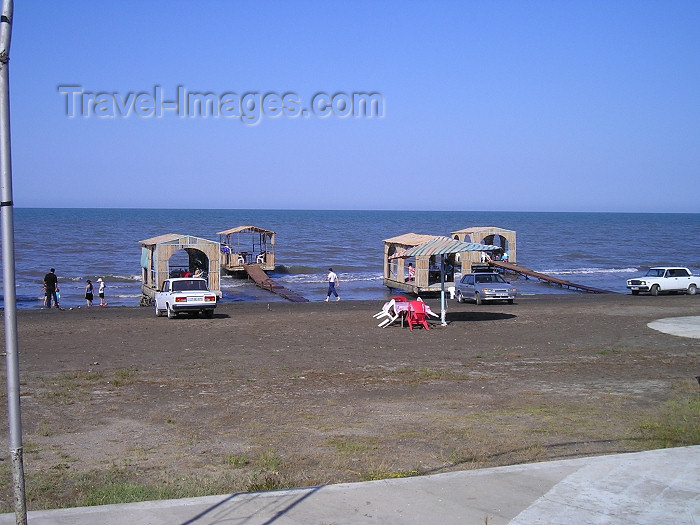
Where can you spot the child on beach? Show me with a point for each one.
(101, 292)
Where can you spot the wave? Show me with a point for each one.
(293, 270)
(107, 278)
(588, 271)
(317, 278)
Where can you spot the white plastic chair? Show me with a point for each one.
(388, 311)
(385, 309)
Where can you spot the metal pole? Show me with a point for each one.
(8, 269)
(442, 289)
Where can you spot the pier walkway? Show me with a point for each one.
(544, 277)
(262, 280)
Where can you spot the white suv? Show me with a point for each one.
(665, 279)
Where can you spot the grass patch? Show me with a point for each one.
(43, 428)
(676, 425)
(236, 461)
(424, 374)
(70, 387)
(376, 474)
(58, 487)
(269, 460)
(266, 481)
(124, 376)
(347, 445)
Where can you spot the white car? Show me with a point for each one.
(185, 294)
(665, 279)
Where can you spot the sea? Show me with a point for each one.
(601, 250)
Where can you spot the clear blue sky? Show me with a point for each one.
(489, 105)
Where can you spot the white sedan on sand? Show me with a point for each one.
(665, 279)
(186, 294)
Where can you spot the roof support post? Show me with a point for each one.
(442, 290)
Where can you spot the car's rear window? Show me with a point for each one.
(183, 286)
(489, 278)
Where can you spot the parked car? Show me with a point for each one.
(186, 294)
(665, 279)
(485, 286)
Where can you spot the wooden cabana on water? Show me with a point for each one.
(490, 235)
(247, 245)
(433, 270)
(155, 262)
(396, 268)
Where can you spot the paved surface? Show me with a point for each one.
(681, 326)
(655, 488)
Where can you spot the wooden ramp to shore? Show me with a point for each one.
(263, 281)
(544, 277)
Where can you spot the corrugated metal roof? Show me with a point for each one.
(445, 245)
(239, 229)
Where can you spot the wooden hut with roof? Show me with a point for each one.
(486, 235)
(396, 269)
(156, 252)
(431, 266)
(247, 245)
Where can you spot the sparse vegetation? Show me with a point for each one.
(676, 425)
(230, 414)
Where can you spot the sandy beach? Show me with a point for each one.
(284, 395)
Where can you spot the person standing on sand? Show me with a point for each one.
(101, 292)
(51, 283)
(89, 293)
(332, 283)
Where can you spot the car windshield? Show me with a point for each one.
(655, 272)
(489, 278)
(183, 286)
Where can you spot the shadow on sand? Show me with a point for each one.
(477, 316)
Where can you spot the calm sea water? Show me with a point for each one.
(597, 249)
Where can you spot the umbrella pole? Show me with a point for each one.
(442, 289)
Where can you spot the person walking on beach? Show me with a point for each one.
(101, 292)
(51, 284)
(89, 293)
(332, 283)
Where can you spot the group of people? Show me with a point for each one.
(53, 295)
(198, 273)
(495, 256)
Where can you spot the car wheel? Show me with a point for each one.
(692, 289)
(171, 313)
(477, 298)
(635, 292)
(510, 301)
(208, 314)
(655, 290)
(460, 299)
(159, 313)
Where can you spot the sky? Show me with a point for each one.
(478, 105)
